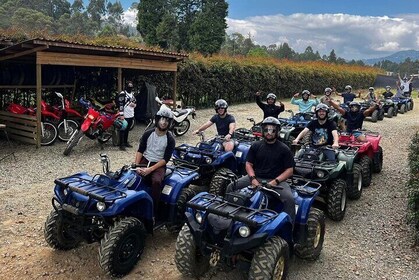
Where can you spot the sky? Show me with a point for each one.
(355, 29)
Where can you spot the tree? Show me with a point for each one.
(332, 57)
(186, 13)
(167, 32)
(258, 52)
(150, 14)
(96, 9)
(28, 19)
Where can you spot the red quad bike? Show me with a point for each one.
(49, 130)
(96, 125)
(370, 153)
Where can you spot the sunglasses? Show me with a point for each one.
(269, 130)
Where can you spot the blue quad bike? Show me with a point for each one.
(216, 167)
(339, 179)
(404, 104)
(377, 114)
(116, 210)
(249, 230)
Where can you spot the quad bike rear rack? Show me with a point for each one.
(213, 204)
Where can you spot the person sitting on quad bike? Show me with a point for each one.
(405, 85)
(355, 117)
(387, 94)
(348, 95)
(155, 150)
(304, 104)
(323, 132)
(225, 123)
(269, 108)
(327, 96)
(370, 97)
(259, 165)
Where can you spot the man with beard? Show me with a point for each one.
(327, 96)
(225, 123)
(126, 104)
(355, 117)
(272, 161)
(269, 109)
(155, 150)
(305, 104)
(323, 132)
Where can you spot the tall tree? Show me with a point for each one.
(97, 9)
(150, 14)
(186, 12)
(167, 32)
(332, 56)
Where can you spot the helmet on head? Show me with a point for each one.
(323, 107)
(120, 124)
(305, 94)
(271, 96)
(328, 91)
(371, 88)
(348, 87)
(355, 104)
(405, 78)
(221, 104)
(271, 121)
(164, 113)
(388, 87)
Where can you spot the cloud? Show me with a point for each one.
(130, 17)
(351, 36)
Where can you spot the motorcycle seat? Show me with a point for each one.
(180, 112)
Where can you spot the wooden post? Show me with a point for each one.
(119, 80)
(174, 89)
(38, 103)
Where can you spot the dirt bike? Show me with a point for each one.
(49, 131)
(96, 125)
(66, 126)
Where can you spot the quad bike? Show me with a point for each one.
(404, 104)
(377, 114)
(116, 210)
(340, 179)
(96, 125)
(249, 230)
(369, 155)
(390, 107)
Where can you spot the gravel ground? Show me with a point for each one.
(372, 242)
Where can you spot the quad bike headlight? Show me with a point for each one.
(208, 160)
(244, 231)
(182, 155)
(198, 217)
(320, 173)
(101, 206)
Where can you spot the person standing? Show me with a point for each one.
(126, 105)
(405, 85)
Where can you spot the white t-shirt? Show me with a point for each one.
(404, 86)
(128, 109)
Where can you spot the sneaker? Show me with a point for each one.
(128, 145)
(122, 148)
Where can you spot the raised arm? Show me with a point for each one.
(337, 107)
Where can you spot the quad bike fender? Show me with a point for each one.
(302, 208)
(173, 185)
(339, 170)
(137, 204)
(280, 226)
(227, 159)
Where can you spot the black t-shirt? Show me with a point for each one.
(388, 95)
(270, 160)
(269, 110)
(321, 133)
(222, 124)
(348, 97)
(354, 120)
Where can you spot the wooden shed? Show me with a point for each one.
(41, 52)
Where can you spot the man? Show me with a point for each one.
(370, 97)
(387, 94)
(348, 95)
(327, 96)
(323, 132)
(126, 104)
(272, 161)
(155, 150)
(304, 104)
(225, 123)
(269, 109)
(405, 85)
(355, 117)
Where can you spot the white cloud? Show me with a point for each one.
(351, 36)
(130, 17)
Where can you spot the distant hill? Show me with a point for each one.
(396, 57)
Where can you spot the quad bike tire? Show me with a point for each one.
(390, 112)
(402, 109)
(381, 114)
(408, 105)
(220, 181)
(336, 200)
(374, 116)
(366, 166)
(355, 191)
(73, 142)
(396, 111)
(188, 258)
(55, 232)
(412, 105)
(72, 126)
(312, 248)
(271, 260)
(122, 246)
(377, 163)
(181, 128)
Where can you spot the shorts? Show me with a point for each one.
(357, 133)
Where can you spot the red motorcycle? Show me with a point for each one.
(96, 125)
(65, 115)
(49, 131)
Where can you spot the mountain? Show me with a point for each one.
(395, 57)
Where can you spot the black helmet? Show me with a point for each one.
(221, 103)
(271, 121)
(164, 113)
(271, 96)
(355, 103)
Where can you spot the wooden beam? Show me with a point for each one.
(41, 48)
(38, 103)
(119, 80)
(52, 58)
(174, 89)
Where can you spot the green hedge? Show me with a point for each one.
(413, 184)
(201, 81)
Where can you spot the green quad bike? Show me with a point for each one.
(340, 179)
(390, 107)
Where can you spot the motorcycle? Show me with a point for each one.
(181, 123)
(96, 125)
(49, 131)
(66, 127)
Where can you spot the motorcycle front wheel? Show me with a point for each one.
(49, 133)
(74, 140)
(181, 128)
(64, 135)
